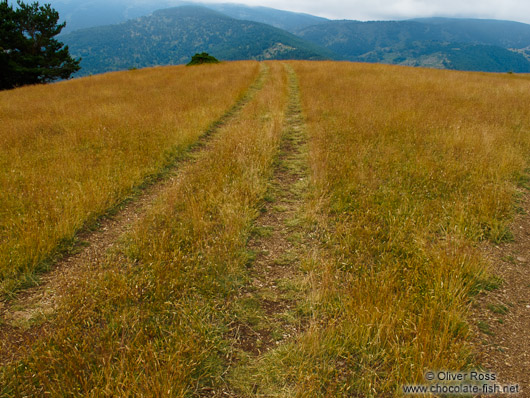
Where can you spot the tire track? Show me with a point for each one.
(271, 308)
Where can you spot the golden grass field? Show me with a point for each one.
(410, 171)
(411, 168)
(71, 151)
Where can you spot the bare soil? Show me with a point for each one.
(280, 243)
(280, 248)
(502, 316)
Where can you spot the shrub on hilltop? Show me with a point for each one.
(203, 58)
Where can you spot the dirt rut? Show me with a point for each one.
(273, 301)
(502, 316)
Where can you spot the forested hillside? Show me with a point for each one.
(92, 13)
(448, 45)
(173, 35)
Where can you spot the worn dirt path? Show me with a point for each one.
(22, 318)
(502, 316)
(271, 304)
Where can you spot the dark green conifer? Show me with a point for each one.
(29, 53)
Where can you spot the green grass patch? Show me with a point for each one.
(498, 309)
(485, 328)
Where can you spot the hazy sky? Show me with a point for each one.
(515, 10)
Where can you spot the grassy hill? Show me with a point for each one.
(173, 35)
(314, 228)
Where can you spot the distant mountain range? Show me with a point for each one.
(173, 35)
(476, 45)
(232, 32)
(90, 13)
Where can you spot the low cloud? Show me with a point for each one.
(515, 10)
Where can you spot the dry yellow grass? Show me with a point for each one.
(151, 320)
(71, 151)
(410, 169)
